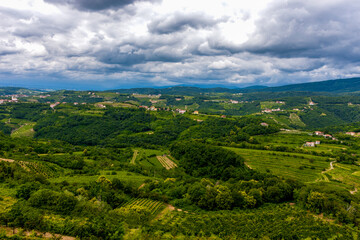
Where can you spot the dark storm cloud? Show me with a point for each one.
(25, 25)
(293, 65)
(7, 52)
(96, 5)
(181, 21)
(41, 27)
(307, 29)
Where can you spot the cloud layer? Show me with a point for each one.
(127, 43)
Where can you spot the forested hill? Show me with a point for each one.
(178, 90)
(17, 90)
(334, 86)
(331, 86)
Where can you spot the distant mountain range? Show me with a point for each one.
(329, 86)
(18, 90)
(334, 86)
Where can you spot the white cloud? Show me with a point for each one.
(222, 64)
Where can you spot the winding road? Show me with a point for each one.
(134, 157)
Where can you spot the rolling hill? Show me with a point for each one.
(329, 86)
(333, 86)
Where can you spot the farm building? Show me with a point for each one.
(351, 133)
(54, 105)
(317, 142)
(267, 111)
(264, 124)
(309, 144)
(327, 136)
(181, 111)
(318, 133)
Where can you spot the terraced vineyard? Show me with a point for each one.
(298, 166)
(151, 205)
(38, 168)
(166, 162)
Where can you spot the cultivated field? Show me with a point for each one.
(147, 157)
(166, 162)
(25, 130)
(151, 205)
(303, 167)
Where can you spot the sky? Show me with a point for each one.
(107, 44)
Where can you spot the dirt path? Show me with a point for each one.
(6, 160)
(10, 232)
(134, 157)
(323, 177)
(21, 163)
(168, 208)
(331, 167)
(353, 191)
(246, 164)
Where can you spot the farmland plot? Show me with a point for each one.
(151, 205)
(48, 171)
(166, 162)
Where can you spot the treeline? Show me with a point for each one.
(92, 130)
(271, 222)
(131, 127)
(201, 160)
(83, 212)
(229, 130)
(163, 132)
(332, 201)
(210, 194)
(28, 111)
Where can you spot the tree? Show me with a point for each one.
(316, 201)
(224, 200)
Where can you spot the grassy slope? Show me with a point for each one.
(290, 165)
(144, 158)
(25, 130)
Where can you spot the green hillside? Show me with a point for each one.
(220, 165)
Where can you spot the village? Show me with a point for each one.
(327, 136)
